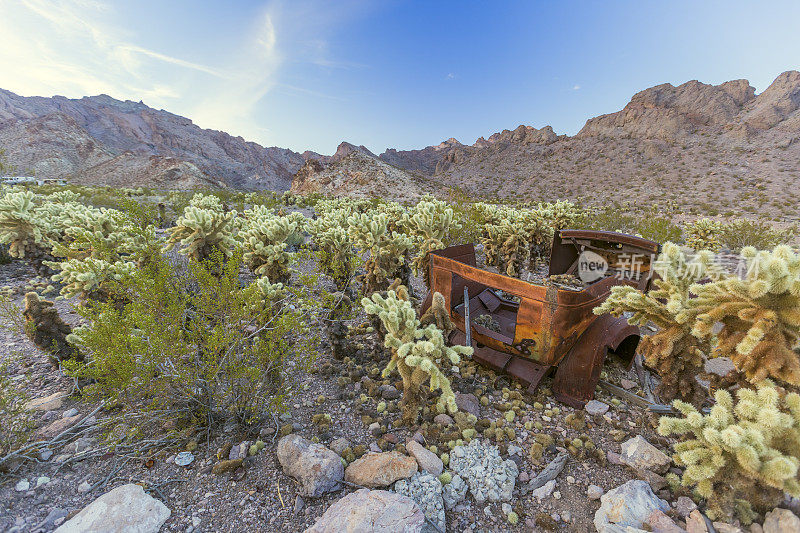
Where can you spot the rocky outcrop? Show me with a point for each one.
(376, 511)
(126, 508)
(779, 102)
(361, 175)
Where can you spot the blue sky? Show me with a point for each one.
(307, 74)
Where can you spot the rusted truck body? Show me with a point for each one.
(543, 328)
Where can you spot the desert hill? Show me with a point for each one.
(101, 140)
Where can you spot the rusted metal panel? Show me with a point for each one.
(548, 326)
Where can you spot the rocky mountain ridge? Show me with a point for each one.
(101, 140)
(721, 147)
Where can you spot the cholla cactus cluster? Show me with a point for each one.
(673, 351)
(759, 313)
(387, 249)
(513, 237)
(429, 222)
(19, 228)
(266, 297)
(741, 453)
(265, 248)
(417, 353)
(91, 277)
(203, 229)
(703, 234)
(334, 247)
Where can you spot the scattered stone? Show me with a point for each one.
(454, 492)
(629, 504)
(661, 523)
(443, 419)
(48, 403)
(53, 519)
(426, 490)
(53, 429)
(318, 469)
(388, 392)
(593, 492)
(126, 508)
(45, 454)
(184, 459)
(722, 527)
(640, 454)
(684, 506)
(376, 511)
(627, 384)
(781, 521)
(468, 403)
(23, 485)
(380, 469)
(596, 407)
(545, 490)
(69, 413)
(41, 481)
(488, 476)
(340, 445)
(84, 487)
(696, 523)
(426, 459)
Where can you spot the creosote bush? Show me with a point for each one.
(199, 348)
(16, 422)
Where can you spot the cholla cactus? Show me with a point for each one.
(335, 251)
(417, 353)
(673, 351)
(92, 278)
(298, 224)
(203, 229)
(703, 234)
(560, 214)
(265, 298)
(264, 237)
(760, 315)
(506, 245)
(48, 332)
(19, 227)
(387, 250)
(740, 454)
(429, 223)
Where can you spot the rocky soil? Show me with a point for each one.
(337, 460)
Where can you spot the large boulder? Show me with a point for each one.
(126, 508)
(318, 469)
(380, 469)
(371, 511)
(425, 489)
(629, 504)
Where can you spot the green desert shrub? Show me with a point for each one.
(703, 234)
(743, 232)
(197, 347)
(16, 422)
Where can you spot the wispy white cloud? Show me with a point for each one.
(77, 47)
(576, 87)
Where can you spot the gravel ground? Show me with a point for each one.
(260, 497)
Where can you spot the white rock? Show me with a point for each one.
(596, 407)
(629, 504)
(375, 511)
(593, 492)
(426, 459)
(84, 487)
(640, 454)
(126, 508)
(22, 485)
(545, 490)
(42, 480)
(318, 469)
